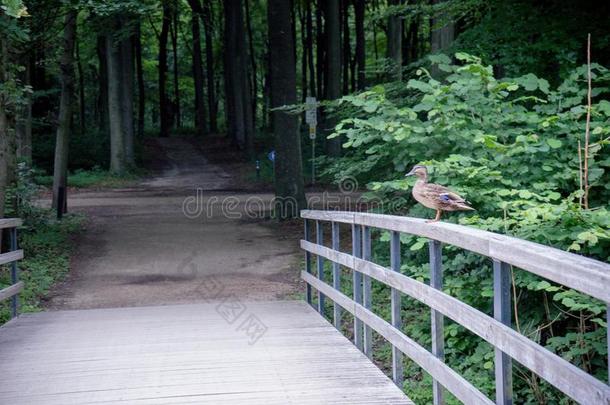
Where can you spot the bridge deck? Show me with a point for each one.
(186, 354)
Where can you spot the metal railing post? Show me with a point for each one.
(320, 263)
(307, 231)
(397, 366)
(438, 334)
(357, 284)
(14, 275)
(366, 290)
(336, 276)
(502, 313)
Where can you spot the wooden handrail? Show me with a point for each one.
(571, 270)
(12, 257)
(574, 271)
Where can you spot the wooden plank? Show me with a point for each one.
(185, 354)
(9, 292)
(367, 293)
(357, 285)
(307, 236)
(320, 265)
(395, 313)
(502, 313)
(455, 383)
(9, 257)
(586, 275)
(336, 275)
(10, 223)
(436, 319)
(566, 377)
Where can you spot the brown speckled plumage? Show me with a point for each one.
(435, 196)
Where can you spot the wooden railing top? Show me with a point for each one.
(10, 223)
(586, 275)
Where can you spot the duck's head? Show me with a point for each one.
(418, 170)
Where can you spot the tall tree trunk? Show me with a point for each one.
(174, 36)
(288, 166)
(163, 101)
(4, 131)
(82, 119)
(140, 80)
(333, 40)
(394, 44)
(60, 168)
(359, 10)
(23, 126)
(209, 61)
(197, 68)
(102, 96)
(117, 138)
(443, 31)
(126, 59)
(320, 51)
(236, 76)
(347, 51)
(303, 28)
(309, 50)
(253, 82)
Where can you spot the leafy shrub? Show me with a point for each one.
(511, 147)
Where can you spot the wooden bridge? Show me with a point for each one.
(230, 352)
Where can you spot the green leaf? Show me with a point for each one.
(554, 143)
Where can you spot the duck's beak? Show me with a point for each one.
(411, 173)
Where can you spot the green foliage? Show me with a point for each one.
(45, 241)
(511, 147)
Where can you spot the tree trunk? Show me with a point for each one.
(126, 59)
(209, 61)
(163, 102)
(197, 68)
(102, 97)
(60, 168)
(441, 36)
(236, 76)
(333, 40)
(115, 115)
(309, 50)
(359, 10)
(320, 51)
(82, 119)
(394, 45)
(23, 126)
(140, 80)
(290, 196)
(253, 83)
(174, 35)
(347, 50)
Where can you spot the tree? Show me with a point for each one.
(333, 40)
(209, 61)
(60, 172)
(442, 30)
(126, 61)
(115, 96)
(164, 112)
(240, 122)
(140, 79)
(288, 165)
(197, 67)
(359, 10)
(394, 45)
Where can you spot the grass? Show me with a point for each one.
(47, 248)
(94, 178)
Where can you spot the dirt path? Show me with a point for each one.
(140, 248)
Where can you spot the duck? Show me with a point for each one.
(435, 196)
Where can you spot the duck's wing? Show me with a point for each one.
(448, 197)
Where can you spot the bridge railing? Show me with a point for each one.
(577, 272)
(11, 257)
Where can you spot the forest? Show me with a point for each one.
(506, 101)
